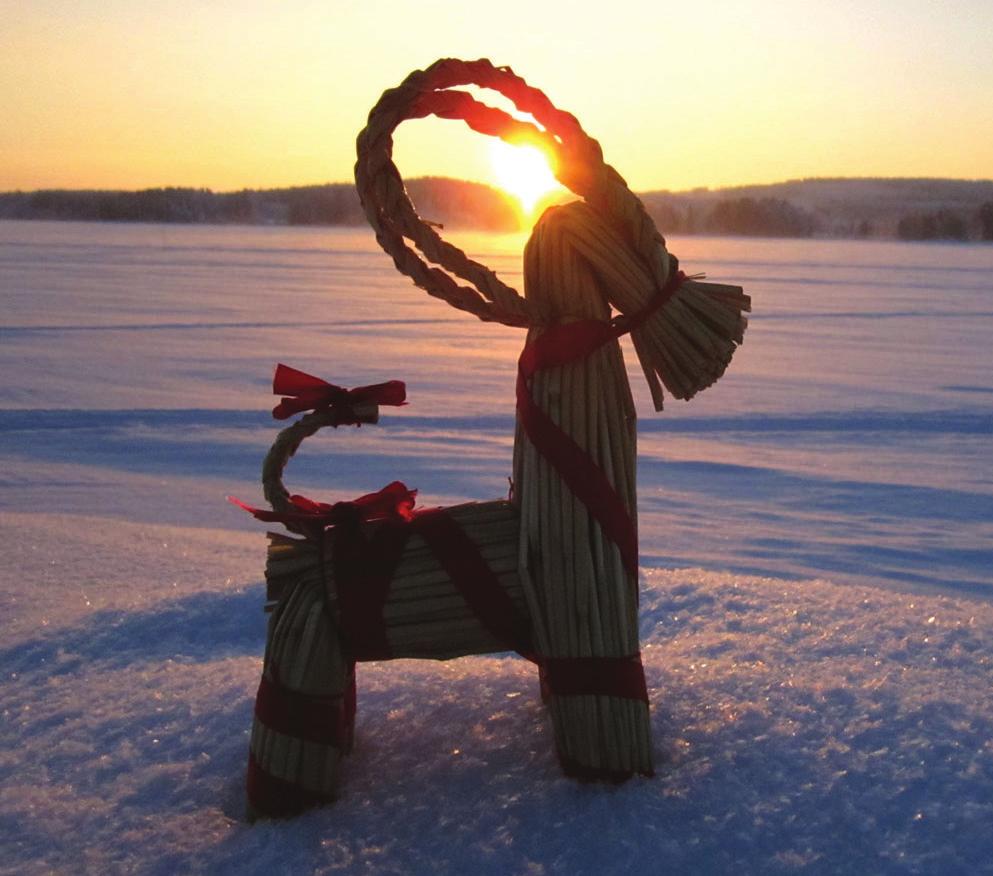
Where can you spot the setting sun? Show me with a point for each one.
(523, 171)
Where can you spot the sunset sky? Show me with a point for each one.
(245, 93)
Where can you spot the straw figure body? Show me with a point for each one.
(552, 574)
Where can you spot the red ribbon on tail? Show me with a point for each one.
(393, 502)
(304, 392)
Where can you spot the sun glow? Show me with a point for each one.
(524, 171)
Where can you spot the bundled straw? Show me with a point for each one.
(305, 706)
(685, 342)
(574, 466)
(555, 574)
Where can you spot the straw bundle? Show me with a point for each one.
(578, 543)
(305, 705)
(304, 710)
(371, 580)
(687, 339)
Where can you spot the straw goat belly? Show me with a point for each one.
(424, 614)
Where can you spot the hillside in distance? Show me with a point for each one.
(913, 209)
(450, 202)
(909, 209)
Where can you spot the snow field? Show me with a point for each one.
(815, 535)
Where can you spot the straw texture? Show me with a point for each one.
(292, 765)
(430, 606)
(424, 613)
(311, 647)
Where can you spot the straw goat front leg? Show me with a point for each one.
(579, 554)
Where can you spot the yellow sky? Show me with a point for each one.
(244, 93)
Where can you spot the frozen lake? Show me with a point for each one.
(849, 440)
(839, 725)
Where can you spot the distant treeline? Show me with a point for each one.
(443, 200)
(760, 217)
(904, 209)
(946, 225)
(777, 217)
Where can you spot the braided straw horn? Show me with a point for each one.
(685, 346)
(578, 163)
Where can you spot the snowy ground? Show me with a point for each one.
(815, 532)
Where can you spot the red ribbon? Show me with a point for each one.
(363, 572)
(593, 676)
(322, 719)
(364, 566)
(304, 392)
(395, 501)
(472, 576)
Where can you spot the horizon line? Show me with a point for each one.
(686, 191)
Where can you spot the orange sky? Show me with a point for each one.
(115, 94)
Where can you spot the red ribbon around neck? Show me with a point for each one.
(304, 392)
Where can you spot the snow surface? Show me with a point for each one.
(815, 533)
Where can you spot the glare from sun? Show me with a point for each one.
(523, 171)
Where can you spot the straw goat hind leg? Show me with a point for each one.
(305, 707)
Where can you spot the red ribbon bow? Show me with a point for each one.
(395, 501)
(304, 392)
